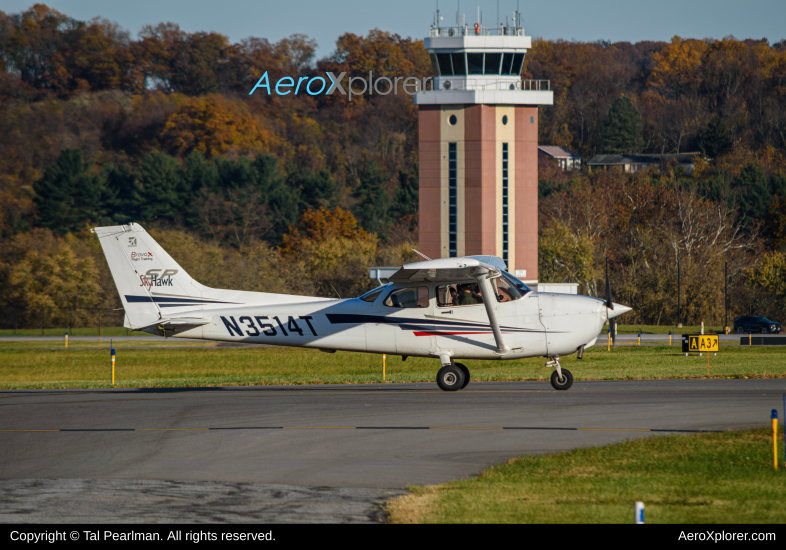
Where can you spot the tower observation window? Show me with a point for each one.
(434, 64)
(505, 203)
(475, 63)
(492, 63)
(507, 63)
(452, 209)
(518, 60)
(445, 68)
(459, 69)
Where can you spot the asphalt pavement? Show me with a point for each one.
(336, 451)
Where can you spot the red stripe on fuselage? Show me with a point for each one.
(447, 333)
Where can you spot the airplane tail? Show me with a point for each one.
(151, 284)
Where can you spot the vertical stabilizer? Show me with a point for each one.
(148, 279)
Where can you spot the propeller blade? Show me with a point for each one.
(609, 303)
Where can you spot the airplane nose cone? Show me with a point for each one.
(618, 310)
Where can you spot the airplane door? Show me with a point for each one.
(533, 335)
(394, 324)
(462, 324)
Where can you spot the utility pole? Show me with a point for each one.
(679, 316)
(726, 293)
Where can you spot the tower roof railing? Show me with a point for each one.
(526, 85)
(471, 30)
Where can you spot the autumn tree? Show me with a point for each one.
(213, 125)
(335, 251)
(183, 62)
(564, 257)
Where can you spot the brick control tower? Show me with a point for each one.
(478, 129)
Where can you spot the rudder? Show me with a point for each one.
(147, 278)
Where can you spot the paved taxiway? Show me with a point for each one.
(360, 438)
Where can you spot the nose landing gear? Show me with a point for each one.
(561, 379)
(453, 377)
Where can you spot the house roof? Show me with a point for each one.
(614, 160)
(557, 152)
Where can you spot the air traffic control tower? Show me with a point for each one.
(478, 130)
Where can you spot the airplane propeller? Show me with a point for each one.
(609, 305)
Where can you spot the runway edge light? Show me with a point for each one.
(111, 347)
(639, 516)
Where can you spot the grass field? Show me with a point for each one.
(707, 478)
(87, 331)
(40, 365)
(664, 329)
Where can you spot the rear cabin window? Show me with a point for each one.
(408, 297)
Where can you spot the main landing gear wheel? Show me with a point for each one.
(465, 370)
(565, 383)
(450, 378)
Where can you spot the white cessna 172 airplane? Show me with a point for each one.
(450, 308)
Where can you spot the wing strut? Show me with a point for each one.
(489, 300)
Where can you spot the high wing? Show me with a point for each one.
(450, 269)
(479, 268)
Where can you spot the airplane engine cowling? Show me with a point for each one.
(570, 321)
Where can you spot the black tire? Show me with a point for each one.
(567, 380)
(740, 330)
(465, 370)
(450, 378)
(765, 330)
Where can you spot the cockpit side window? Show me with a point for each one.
(416, 296)
(462, 294)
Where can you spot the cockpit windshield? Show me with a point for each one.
(511, 286)
(371, 295)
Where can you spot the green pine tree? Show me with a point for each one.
(122, 197)
(68, 196)
(372, 210)
(623, 129)
(283, 200)
(160, 176)
(199, 173)
(317, 188)
(716, 139)
(753, 193)
(406, 199)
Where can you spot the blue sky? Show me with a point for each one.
(629, 20)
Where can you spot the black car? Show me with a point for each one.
(756, 323)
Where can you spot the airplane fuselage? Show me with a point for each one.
(534, 325)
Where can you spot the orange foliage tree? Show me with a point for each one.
(213, 125)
